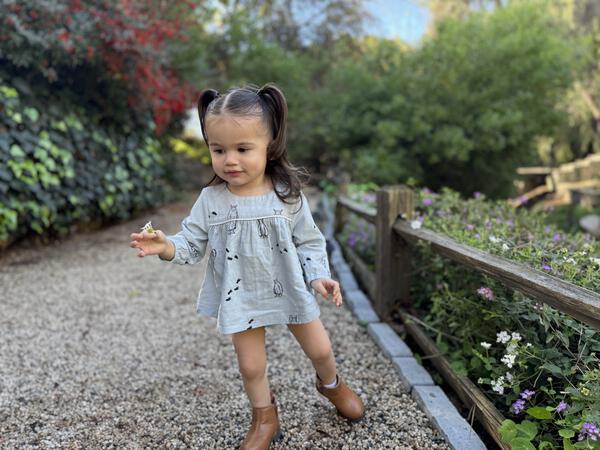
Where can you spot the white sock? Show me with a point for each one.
(332, 385)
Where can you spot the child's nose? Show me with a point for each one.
(230, 161)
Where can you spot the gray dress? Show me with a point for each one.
(263, 255)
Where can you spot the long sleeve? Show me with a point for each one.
(190, 243)
(310, 245)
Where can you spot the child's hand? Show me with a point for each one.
(149, 241)
(326, 285)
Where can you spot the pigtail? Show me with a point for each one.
(276, 105)
(207, 97)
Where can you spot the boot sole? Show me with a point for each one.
(278, 437)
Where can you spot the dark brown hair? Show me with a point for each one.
(269, 103)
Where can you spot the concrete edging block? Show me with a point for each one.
(411, 372)
(388, 340)
(357, 299)
(366, 314)
(446, 418)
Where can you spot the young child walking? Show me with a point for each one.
(267, 256)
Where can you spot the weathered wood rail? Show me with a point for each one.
(388, 288)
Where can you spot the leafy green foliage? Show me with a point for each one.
(527, 356)
(469, 101)
(60, 166)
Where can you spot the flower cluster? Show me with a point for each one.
(562, 406)
(589, 430)
(486, 292)
(519, 405)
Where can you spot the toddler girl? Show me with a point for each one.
(267, 256)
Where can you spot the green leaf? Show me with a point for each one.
(539, 412)
(508, 430)
(566, 433)
(552, 368)
(528, 428)
(521, 443)
(16, 151)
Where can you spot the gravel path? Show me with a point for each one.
(102, 349)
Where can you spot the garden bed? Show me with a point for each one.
(536, 365)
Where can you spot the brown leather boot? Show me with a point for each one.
(264, 428)
(344, 399)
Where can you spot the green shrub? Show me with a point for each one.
(59, 165)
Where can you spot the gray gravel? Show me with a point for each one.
(102, 349)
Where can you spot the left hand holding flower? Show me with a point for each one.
(324, 286)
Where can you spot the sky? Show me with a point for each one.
(406, 19)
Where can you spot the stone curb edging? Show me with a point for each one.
(431, 398)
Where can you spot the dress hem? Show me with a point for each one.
(264, 321)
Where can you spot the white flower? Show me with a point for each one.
(505, 247)
(570, 260)
(503, 337)
(498, 385)
(516, 336)
(528, 344)
(510, 348)
(493, 238)
(509, 360)
(415, 224)
(595, 261)
(509, 377)
(148, 227)
(486, 345)
(479, 380)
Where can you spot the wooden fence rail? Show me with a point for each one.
(389, 286)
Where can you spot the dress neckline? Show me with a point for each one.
(249, 197)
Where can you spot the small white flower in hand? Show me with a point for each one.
(148, 227)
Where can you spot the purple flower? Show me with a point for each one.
(427, 201)
(527, 394)
(476, 194)
(498, 220)
(529, 236)
(470, 227)
(547, 229)
(546, 267)
(352, 239)
(589, 430)
(426, 190)
(477, 235)
(556, 237)
(486, 292)
(518, 406)
(510, 223)
(562, 406)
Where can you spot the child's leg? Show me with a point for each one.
(252, 360)
(315, 342)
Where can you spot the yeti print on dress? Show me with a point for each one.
(232, 214)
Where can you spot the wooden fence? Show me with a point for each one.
(389, 286)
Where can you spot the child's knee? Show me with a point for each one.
(252, 369)
(321, 353)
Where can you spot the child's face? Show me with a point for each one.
(238, 144)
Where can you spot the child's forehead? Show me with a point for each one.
(228, 126)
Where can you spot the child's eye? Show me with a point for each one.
(217, 150)
(242, 149)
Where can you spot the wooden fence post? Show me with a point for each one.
(392, 260)
(341, 213)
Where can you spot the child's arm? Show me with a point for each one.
(312, 252)
(186, 247)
